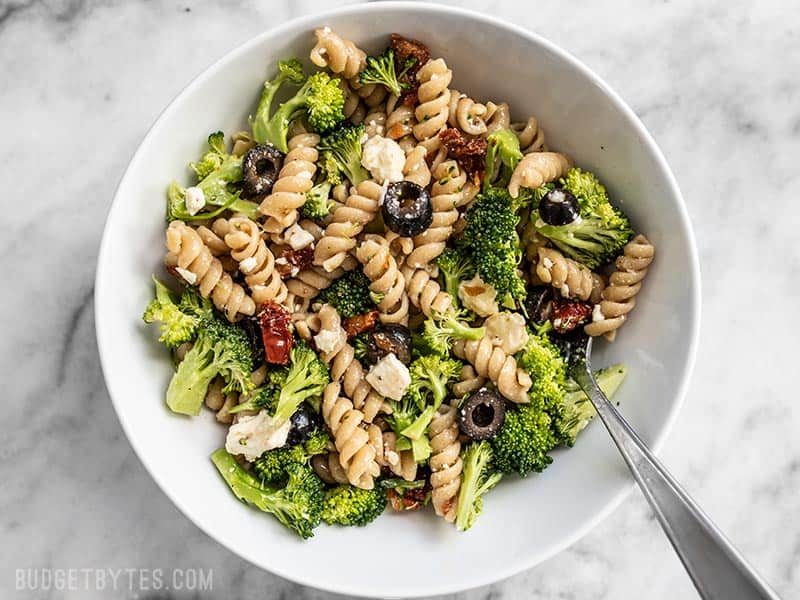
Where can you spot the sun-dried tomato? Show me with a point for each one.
(410, 499)
(294, 261)
(360, 323)
(469, 152)
(275, 331)
(568, 314)
(404, 49)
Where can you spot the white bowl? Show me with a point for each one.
(524, 521)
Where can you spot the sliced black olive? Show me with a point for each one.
(539, 303)
(260, 168)
(570, 344)
(303, 422)
(253, 331)
(559, 207)
(407, 208)
(482, 414)
(386, 339)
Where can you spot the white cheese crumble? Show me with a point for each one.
(548, 264)
(298, 238)
(384, 159)
(254, 435)
(597, 314)
(188, 276)
(478, 296)
(328, 340)
(195, 200)
(389, 377)
(248, 264)
(507, 330)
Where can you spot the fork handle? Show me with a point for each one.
(717, 569)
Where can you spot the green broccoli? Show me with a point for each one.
(359, 344)
(578, 410)
(455, 266)
(599, 235)
(319, 99)
(351, 506)
(502, 156)
(215, 172)
(318, 204)
(306, 377)
(265, 397)
(477, 478)
(297, 505)
(220, 348)
(543, 362)
(340, 155)
(442, 329)
(493, 244)
(349, 295)
(522, 443)
(177, 325)
(381, 70)
(272, 465)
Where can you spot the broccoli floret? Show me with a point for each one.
(318, 203)
(443, 328)
(351, 506)
(265, 397)
(407, 415)
(215, 172)
(599, 235)
(297, 505)
(478, 477)
(522, 443)
(455, 266)
(502, 156)
(544, 363)
(349, 295)
(493, 243)
(381, 70)
(272, 465)
(177, 324)
(340, 155)
(306, 377)
(359, 344)
(319, 100)
(220, 348)
(578, 410)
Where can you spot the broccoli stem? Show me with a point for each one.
(187, 388)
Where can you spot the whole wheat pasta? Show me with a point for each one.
(434, 103)
(445, 462)
(469, 381)
(530, 136)
(537, 169)
(466, 114)
(492, 362)
(570, 278)
(399, 462)
(424, 292)
(387, 280)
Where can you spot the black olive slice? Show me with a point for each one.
(260, 168)
(407, 208)
(389, 338)
(558, 207)
(303, 422)
(482, 415)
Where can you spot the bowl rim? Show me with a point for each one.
(524, 562)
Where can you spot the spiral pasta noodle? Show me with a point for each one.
(530, 136)
(399, 462)
(339, 55)
(345, 367)
(346, 223)
(256, 262)
(537, 169)
(400, 121)
(569, 277)
(498, 116)
(445, 462)
(190, 254)
(356, 454)
(294, 180)
(466, 114)
(382, 270)
(329, 468)
(424, 292)
(469, 381)
(375, 123)
(492, 362)
(416, 168)
(447, 194)
(434, 102)
(619, 296)
(353, 109)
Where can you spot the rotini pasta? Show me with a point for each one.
(195, 261)
(466, 114)
(619, 296)
(537, 169)
(446, 464)
(469, 381)
(424, 292)
(492, 362)
(339, 55)
(530, 136)
(570, 278)
(434, 103)
(387, 280)
(399, 462)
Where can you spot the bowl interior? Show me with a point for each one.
(524, 521)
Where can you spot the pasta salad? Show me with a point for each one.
(375, 289)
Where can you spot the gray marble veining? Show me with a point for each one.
(82, 80)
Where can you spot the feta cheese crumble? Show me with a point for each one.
(254, 435)
(384, 159)
(188, 276)
(248, 264)
(195, 200)
(298, 238)
(389, 377)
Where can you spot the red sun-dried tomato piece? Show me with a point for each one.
(276, 333)
(568, 314)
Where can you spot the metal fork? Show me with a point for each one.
(717, 569)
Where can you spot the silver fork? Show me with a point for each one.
(717, 569)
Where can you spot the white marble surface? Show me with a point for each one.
(82, 80)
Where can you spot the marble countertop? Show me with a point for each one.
(716, 83)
